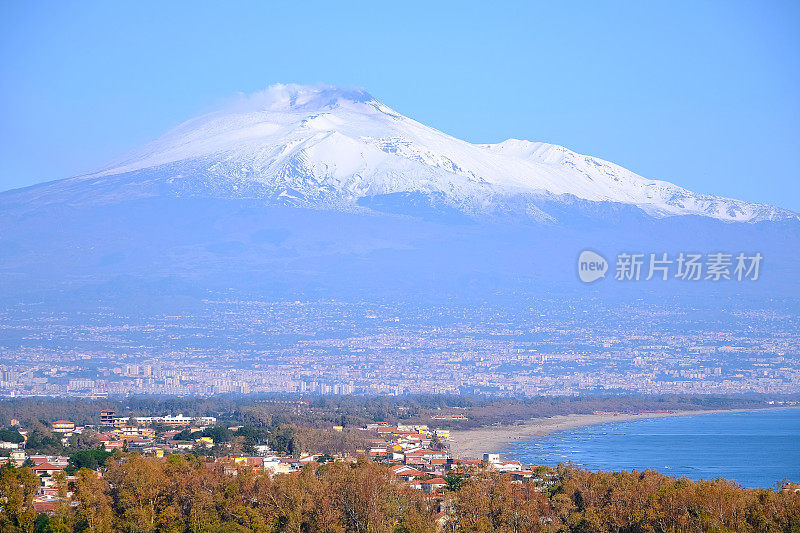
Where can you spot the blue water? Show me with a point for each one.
(756, 449)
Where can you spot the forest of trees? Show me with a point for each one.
(183, 493)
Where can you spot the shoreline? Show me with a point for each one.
(473, 443)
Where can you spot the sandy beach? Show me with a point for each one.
(473, 443)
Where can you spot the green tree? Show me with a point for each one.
(11, 435)
(454, 481)
(92, 459)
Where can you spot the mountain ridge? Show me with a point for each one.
(325, 147)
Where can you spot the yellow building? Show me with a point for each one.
(63, 426)
(208, 442)
(155, 452)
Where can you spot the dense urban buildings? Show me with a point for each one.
(547, 347)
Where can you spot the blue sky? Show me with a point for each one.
(703, 94)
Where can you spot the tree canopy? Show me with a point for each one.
(185, 493)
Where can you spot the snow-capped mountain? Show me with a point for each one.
(326, 147)
(329, 193)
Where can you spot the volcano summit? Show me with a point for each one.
(330, 148)
(300, 188)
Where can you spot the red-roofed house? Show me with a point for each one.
(47, 468)
(507, 466)
(406, 473)
(524, 475)
(433, 485)
(46, 504)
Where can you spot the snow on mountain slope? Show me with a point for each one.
(329, 147)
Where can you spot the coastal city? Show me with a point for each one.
(332, 347)
(417, 455)
(64, 457)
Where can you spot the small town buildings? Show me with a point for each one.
(433, 485)
(450, 417)
(113, 445)
(16, 457)
(275, 466)
(47, 468)
(791, 488)
(262, 449)
(107, 417)
(63, 426)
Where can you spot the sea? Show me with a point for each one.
(757, 449)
